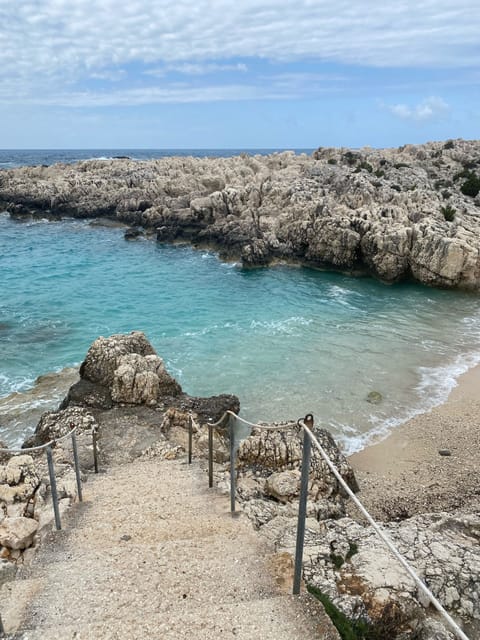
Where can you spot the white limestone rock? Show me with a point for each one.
(17, 533)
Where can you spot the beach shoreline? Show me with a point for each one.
(430, 463)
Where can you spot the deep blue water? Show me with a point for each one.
(10, 158)
(286, 340)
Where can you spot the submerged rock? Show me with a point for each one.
(374, 397)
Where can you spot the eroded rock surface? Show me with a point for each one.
(395, 213)
(18, 479)
(17, 533)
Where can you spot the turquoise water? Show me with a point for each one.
(286, 340)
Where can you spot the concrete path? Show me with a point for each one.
(152, 553)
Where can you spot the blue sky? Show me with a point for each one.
(243, 74)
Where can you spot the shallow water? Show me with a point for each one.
(286, 340)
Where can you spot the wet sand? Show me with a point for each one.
(406, 473)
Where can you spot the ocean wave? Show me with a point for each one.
(287, 326)
(21, 409)
(435, 386)
(210, 329)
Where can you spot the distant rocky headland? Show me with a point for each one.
(406, 213)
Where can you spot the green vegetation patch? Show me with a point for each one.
(471, 186)
(348, 629)
(389, 626)
(448, 213)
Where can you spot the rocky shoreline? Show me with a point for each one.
(140, 411)
(406, 213)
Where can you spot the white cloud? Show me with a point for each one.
(197, 69)
(431, 108)
(51, 45)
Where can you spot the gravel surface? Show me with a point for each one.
(429, 464)
(152, 553)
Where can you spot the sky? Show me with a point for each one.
(287, 74)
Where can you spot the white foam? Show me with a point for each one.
(435, 386)
(280, 326)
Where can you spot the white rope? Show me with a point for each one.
(264, 427)
(300, 423)
(384, 537)
(40, 447)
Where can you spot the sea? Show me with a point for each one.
(287, 340)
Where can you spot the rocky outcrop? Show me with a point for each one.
(344, 559)
(55, 424)
(281, 450)
(349, 563)
(122, 369)
(394, 213)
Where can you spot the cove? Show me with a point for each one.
(286, 340)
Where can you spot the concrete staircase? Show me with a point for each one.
(152, 553)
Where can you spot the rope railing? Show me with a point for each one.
(306, 425)
(47, 447)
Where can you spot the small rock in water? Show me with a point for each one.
(374, 397)
(132, 233)
(445, 452)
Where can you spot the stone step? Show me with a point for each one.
(278, 618)
(153, 553)
(19, 594)
(107, 586)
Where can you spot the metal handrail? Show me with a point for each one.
(309, 437)
(47, 447)
(306, 424)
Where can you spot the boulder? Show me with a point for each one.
(17, 533)
(19, 479)
(281, 450)
(122, 369)
(54, 424)
(103, 357)
(284, 485)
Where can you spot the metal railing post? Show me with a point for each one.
(210, 456)
(190, 431)
(302, 508)
(53, 488)
(95, 449)
(77, 467)
(233, 488)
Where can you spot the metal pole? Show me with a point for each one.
(190, 430)
(53, 488)
(210, 456)
(77, 467)
(302, 511)
(95, 449)
(231, 427)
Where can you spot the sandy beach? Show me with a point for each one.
(431, 463)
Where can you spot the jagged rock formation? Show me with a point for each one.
(395, 213)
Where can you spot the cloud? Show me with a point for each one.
(432, 108)
(57, 46)
(197, 69)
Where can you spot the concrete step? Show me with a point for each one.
(280, 618)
